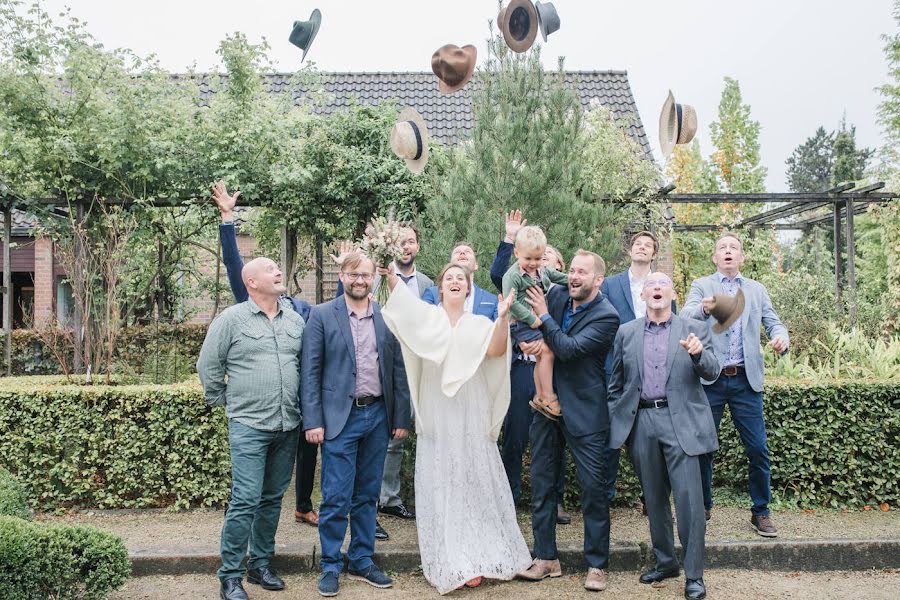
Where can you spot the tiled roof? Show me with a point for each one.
(23, 224)
(449, 116)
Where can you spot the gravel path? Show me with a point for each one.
(198, 530)
(721, 585)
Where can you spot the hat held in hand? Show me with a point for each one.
(727, 310)
(677, 124)
(409, 139)
(304, 32)
(453, 66)
(518, 21)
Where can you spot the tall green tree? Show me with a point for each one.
(736, 138)
(809, 167)
(533, 148)
(849, 161)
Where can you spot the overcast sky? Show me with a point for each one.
(800, 63)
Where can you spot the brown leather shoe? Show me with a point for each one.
(595, 580)
(562, 516)
(541, 569)
(763, 526)
(310, 518)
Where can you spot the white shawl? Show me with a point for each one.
(425, 334)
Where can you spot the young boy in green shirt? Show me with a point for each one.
(528, 271)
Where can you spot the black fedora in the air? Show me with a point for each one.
(304, 32)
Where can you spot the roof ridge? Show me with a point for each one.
(289, 73)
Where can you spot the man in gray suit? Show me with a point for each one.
(657, 405)
(740, 383)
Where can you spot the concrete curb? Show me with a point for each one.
(787, 555)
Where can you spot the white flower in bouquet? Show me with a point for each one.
(381, 243)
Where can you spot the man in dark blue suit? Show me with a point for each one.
(231, 257)
(623, 290)
(480, 301)
(355, 398)
(579, 325)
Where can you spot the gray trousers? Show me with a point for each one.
(390, 481)
(664, 468)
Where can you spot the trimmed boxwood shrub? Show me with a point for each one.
(128, 446)
(41, 561)
(12, 497)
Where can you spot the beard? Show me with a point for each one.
(358, 291)
(407, 262)
(580, 293)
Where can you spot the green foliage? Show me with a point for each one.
(42, 561)
(809, 166)
(533, 148)
(117, 446)
(736, 138)
(830, 443)
(13, 501)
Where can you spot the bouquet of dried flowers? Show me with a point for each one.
(381, 243)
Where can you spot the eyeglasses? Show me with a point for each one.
(663, 283)
(358, 276)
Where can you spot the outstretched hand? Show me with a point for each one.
(692, 344)
(504, 304)
(225, 202)
(514, 222)
(344, 248)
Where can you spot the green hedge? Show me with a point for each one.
(831, 444)
(40, 561)
(113, 446)
(163, 353)
(13, 501)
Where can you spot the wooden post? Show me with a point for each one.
(837, 255)
(78, 316)
(7, 286)
(320, 270)
(851, 263)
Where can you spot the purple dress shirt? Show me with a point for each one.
(656, 349)
(368, 379)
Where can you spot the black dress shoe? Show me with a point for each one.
(562, 517)
(656, 575)
(694, 589)
(265, 577)
(380, 533)
(399, 511)
(233, 589)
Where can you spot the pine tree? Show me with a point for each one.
(849, 161)
(810, 165)
(531, 149)
(736, 138)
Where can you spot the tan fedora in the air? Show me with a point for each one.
(518, 21)
(727, 310)
(677, 124)
(453, 66)
(409, 139)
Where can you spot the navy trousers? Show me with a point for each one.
(306, 474)
(587, 451)
(746, 408)
(352, 466)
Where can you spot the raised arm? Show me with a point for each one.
(231, 256)
(514, 222)
(693, 306)
(500, 337)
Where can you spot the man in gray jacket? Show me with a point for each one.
(740, 383)
(657, 405)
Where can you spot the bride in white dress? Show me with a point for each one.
(458, 370)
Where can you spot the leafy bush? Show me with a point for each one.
(113, 446)
(42, 561)
(12, 497)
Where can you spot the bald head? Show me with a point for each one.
(263, 278)
(658, 293)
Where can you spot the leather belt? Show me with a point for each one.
(661, 403)
(364, 401)
(732, 371)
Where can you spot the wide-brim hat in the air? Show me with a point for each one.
(548, 18)
(409, 139)
(518, 21)
(677, 124)
(454, 66)
(727, 310)
(304, 32)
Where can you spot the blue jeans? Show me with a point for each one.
(746, 408)
(261, 466)
(352, 467)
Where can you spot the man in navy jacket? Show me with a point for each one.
(579, 325)
(480, 301)
(231, 256)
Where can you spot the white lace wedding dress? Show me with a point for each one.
(465, 515)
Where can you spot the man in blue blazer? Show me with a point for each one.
(740, 382)
(480, 301)
(231, 256)
(355, 398)
(623, 290)
(579, 325)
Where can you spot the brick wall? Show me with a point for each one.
(44, 288)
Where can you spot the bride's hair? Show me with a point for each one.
(440, 279)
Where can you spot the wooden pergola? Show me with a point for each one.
(845, 202)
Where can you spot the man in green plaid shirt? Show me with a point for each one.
(250, 363)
